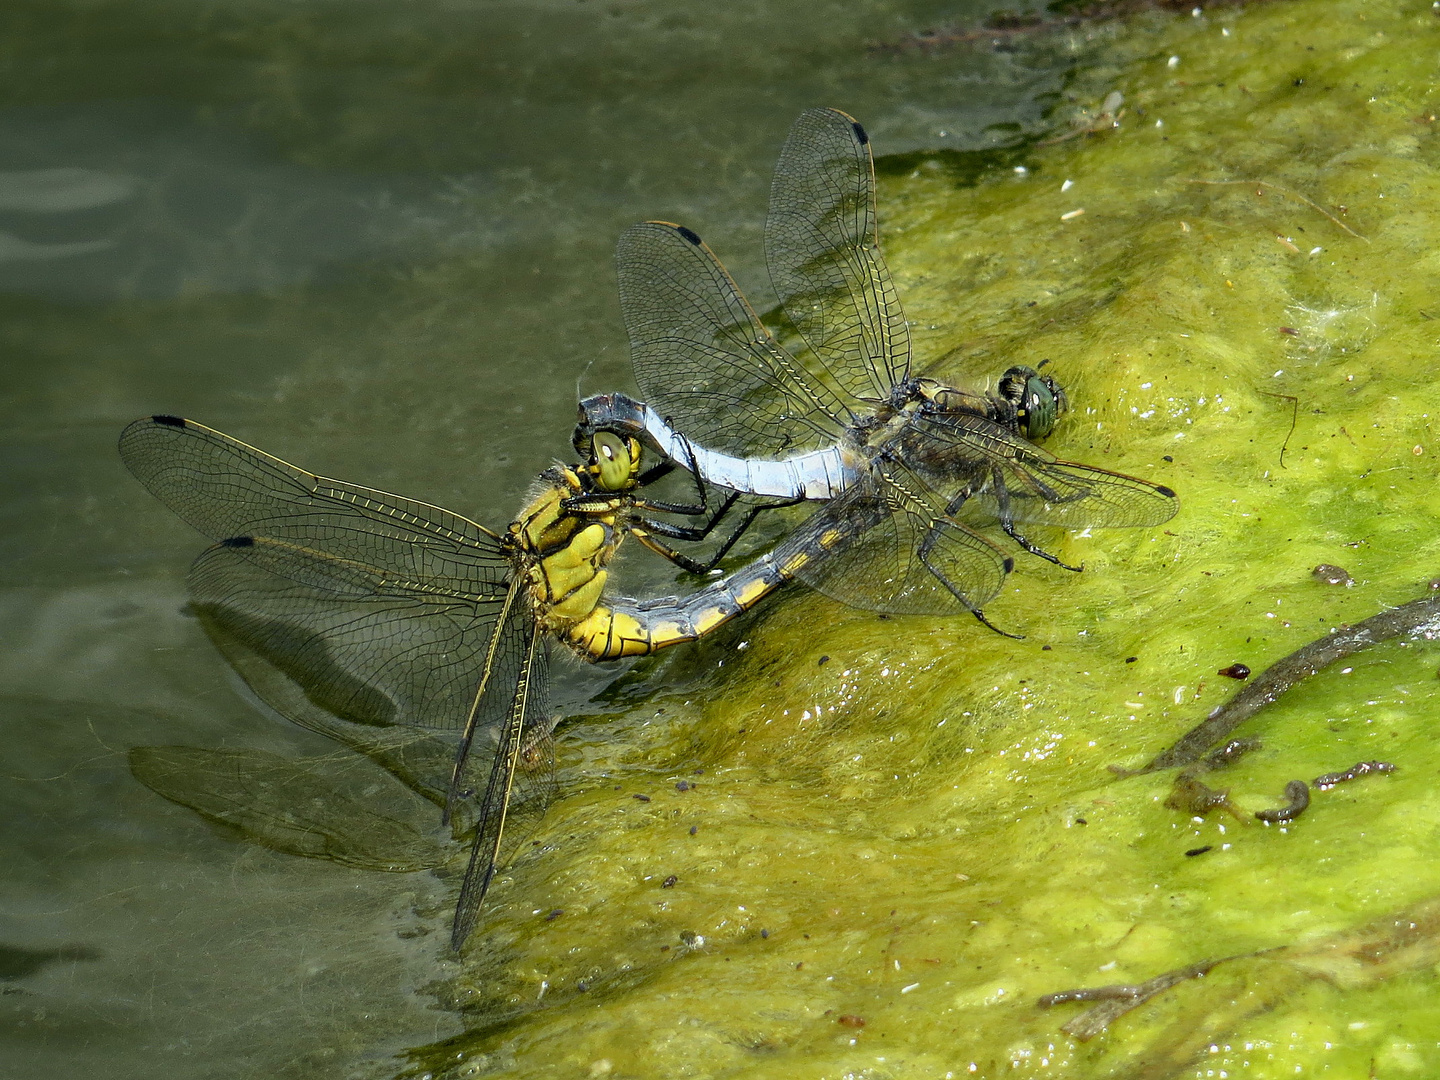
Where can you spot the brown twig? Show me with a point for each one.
(1280, 676)
(1360, 768)
(1297, 801)
(1116, 1001)
(1294, 418)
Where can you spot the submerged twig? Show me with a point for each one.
(1230, 753)
(1294, 418)
(1280, 676)
(1116, 1001)
(1397, 943)
(1289, 194)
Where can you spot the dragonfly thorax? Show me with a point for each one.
(561, 553)
(941, 397)
(872, 434)
(1026, 402)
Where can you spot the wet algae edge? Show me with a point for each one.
(906, 831)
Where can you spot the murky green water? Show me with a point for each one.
(375, 239)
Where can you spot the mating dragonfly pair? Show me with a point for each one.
(386, 610)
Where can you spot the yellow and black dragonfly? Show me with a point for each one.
(845, 418)
(386, 611)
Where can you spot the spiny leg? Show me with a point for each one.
(644, 527)
(695, 533)
(665, 468)
(687, 532)
(1007, 522)
(932, 536)
(606, 501)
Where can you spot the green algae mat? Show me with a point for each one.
(836, 845)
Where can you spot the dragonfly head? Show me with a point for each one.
(607, 412)
(1037, 399)
(614, 463)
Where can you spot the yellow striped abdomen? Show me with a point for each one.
(626, 627)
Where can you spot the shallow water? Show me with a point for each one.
(376, 241)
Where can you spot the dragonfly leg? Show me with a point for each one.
(932, 536)
(665, 468)
(640, 531)
(745, 523)
(598, 502)
(605, 502)
(687, 510)
(656, 472)
(700, 532)
(679, 532)
(1007, 522)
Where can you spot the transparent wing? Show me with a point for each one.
(377, 606)
(369, 656)
(703, 358)
(359, 649)
(420, 759)
(379, 610)
(1007, 475)
(228, 489)
(882, 546)
(525, 711)
(1070, 495)
(513, 668)
(823, 250)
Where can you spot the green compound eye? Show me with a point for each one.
(1037, 400)
(612, 460)
(1043, 405)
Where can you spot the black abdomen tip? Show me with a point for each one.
(238, 542)
(688, 235)
(1167, 492)
(169, 421)
(860, 133)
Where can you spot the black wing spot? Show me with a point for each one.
(238, 542)
(1167, 492)
(1009, 564)
(169, 421)
(860, 133)
(688, 235)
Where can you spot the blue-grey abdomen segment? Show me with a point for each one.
(819, 474)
